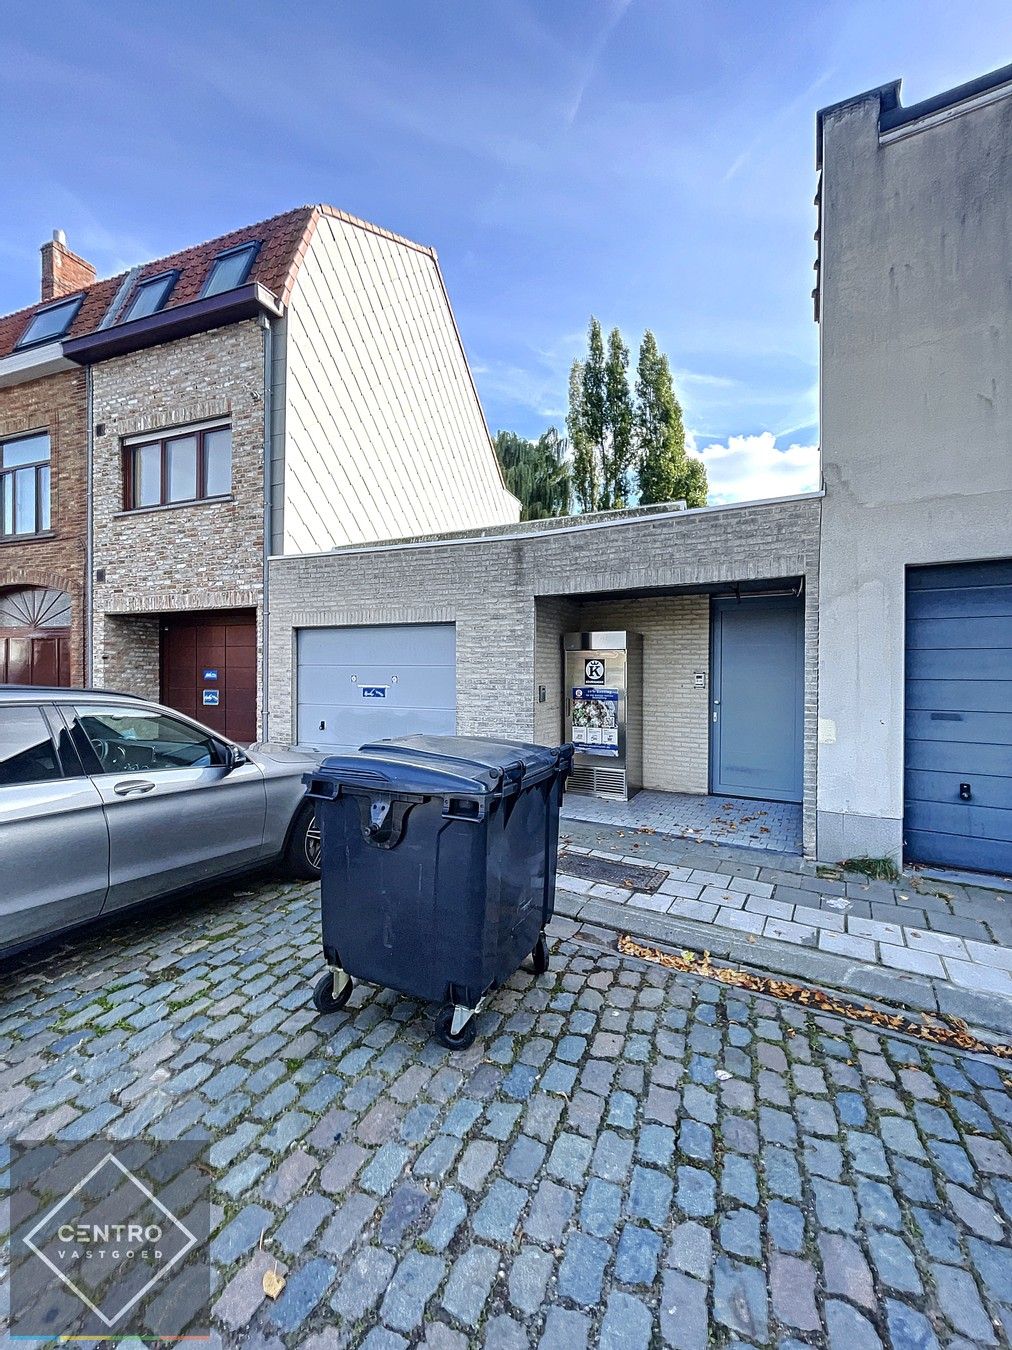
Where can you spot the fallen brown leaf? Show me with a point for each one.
(958, 1036)
(273, 1283)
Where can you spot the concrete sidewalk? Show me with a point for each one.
(936, 947)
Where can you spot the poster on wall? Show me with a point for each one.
(595, 720)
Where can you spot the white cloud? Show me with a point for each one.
(749, 468)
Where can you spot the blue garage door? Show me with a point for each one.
(758, 681)
(359, 684)
(958, 770)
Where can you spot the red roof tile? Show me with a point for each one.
(280, 239)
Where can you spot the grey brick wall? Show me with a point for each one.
(512, 595)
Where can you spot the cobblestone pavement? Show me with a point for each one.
(731, 820)
(625, 1158)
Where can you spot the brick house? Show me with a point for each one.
(43, 483)
(296, 384)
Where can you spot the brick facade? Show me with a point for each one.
(206, 555)
(512, 591)
(57, 404)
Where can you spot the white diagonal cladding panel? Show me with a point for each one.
(385, 435)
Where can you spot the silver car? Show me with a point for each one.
(108, 801)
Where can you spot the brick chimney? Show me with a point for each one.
(63, 272)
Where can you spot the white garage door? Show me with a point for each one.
(360, 684)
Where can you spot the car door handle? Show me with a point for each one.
(133, 785)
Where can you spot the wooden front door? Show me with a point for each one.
(28, 657)
(209, 669)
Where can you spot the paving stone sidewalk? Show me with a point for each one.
(938, 946)
(625, 1158)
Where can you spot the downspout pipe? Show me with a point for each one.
(89, 544)
(268, 469)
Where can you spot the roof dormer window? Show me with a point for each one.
(46, 325)
(150, 295)
(230, 269)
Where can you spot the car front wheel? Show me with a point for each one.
(302, 856)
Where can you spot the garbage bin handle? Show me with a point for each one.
(383, 816)
(464, 808)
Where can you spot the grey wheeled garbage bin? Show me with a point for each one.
(438, 868)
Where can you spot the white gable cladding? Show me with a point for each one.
(385, 436)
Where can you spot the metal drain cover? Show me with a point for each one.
(631, 876)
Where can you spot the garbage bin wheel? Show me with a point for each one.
(323, 994)
(539, 955)
(445, 1036)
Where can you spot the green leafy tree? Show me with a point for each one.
(617, 446)
(600, 422)
(666, 473)
(594, 407)
(611, 433)
(537, 472)
(585, 475)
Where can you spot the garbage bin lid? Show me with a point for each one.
(474, 752)
(373, 769)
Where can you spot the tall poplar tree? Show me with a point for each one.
(617, 445)
(666, 473)
(585, 474)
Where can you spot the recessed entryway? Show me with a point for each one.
(34, 636)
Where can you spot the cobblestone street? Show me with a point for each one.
(625, 1158)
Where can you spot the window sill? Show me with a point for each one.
(7, 540)
(171, 506)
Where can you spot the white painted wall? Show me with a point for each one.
(385, 436)
(916, 256)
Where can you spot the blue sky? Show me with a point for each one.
(645, 160)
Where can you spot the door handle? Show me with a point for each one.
(132, 786)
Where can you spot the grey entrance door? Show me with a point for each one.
(757, 697)
(958, 771)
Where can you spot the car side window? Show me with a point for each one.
(142, 740)
(27, 752)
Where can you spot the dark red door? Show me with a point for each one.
(34, 658)
(209, 669)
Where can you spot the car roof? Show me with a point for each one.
(37, 693)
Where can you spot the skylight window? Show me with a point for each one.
(150, 296)
(230, 269)
(50, 323)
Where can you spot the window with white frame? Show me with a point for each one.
(24, 485)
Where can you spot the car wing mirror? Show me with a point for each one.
(233, 757)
